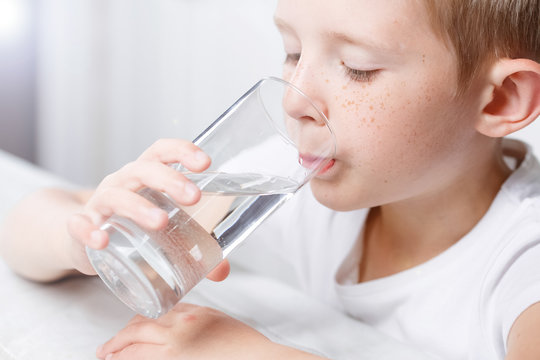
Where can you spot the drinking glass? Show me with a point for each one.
(265, 147)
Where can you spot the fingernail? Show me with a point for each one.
(96, 238)
(99, 349)
(191, 190)
(155, 215)
(108, 357)
(200, 156)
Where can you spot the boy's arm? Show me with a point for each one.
(34, 240)
(523, 338)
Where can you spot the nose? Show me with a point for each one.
(304, 101)
(306, 117)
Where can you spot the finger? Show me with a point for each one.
(143, 332)
(220, 272)
(82, 229)
(170, 151)
(127, 204)
(139, 174)
(137, 352)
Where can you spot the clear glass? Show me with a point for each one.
(266, 146)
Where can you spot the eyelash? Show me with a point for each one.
(292, 58)
(360, 75)
(353, 74)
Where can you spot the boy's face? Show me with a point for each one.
(387, 84)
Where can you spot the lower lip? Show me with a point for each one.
(326, 167)
(310, 163)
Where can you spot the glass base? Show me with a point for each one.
(124, 267)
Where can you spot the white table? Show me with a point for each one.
(70, 318)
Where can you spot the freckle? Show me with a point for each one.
(363, 86)
(372, 119)
(327, 81)
(370, 107)
(344, 87)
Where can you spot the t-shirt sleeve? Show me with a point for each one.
(519, 285)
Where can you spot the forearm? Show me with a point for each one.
(34, 238)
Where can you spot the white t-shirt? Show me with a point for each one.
(460, 304)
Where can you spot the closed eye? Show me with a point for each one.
(360, 75)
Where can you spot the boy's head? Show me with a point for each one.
(480, 32)
(413, 101)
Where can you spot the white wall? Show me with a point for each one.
(17, 77)
(114, 76)
(531, 134)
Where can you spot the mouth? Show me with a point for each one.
(314, 162)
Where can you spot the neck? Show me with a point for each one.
(407, 233)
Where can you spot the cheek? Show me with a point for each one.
(388, 133)
(366, 121)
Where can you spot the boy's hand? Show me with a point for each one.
(187, 332)
(220, 272)
(117, 194)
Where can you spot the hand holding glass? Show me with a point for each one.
(266, 146)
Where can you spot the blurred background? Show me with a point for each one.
(87, 85)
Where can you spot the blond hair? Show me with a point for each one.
(482, 31)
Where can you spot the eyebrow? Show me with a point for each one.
(342, 37)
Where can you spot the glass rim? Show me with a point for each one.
(309, 100)
(205, 133)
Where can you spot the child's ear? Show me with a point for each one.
(513, 100)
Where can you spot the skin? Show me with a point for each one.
(428, 164)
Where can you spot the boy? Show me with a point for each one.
(420, 95)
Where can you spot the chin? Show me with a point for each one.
(329, 194)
